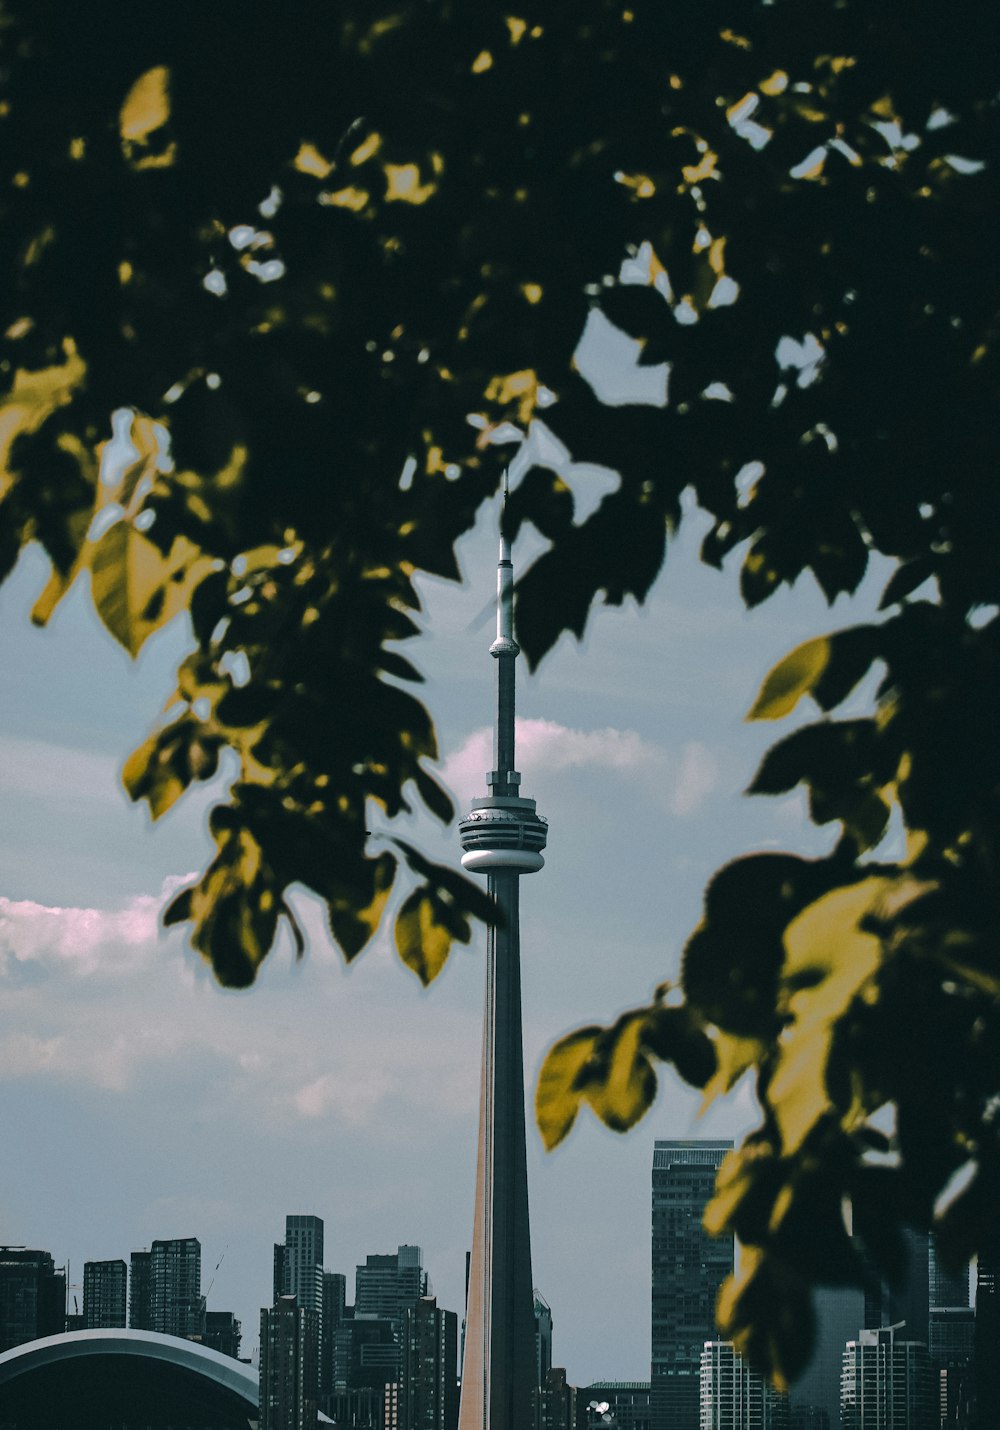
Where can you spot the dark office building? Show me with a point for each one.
(334, 1299)
(626, 1402)
(555, 1401)
(365, 1354)
(543, 1338)
(140, 1294)
(222, 1333)
(428, 1371)
(289, 1366)
(105, 1288)
(32, 1297)
(947, 1288)
(688, 1268)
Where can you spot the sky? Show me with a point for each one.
(141, 1101)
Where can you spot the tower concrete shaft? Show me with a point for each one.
(502, 837)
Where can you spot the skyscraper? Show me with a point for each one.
(428, 1371)
(289, 1366)
(689, 1266)
(177, 1305)
(303, 1262)
(502, 837)
(387, 1285)
(32, 1296)
(140, 1291)
(886, 1383)
(735, 1397)
(946, 1288)
(334, 1305)
(104, 1294)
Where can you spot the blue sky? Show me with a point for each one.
(142, 1101)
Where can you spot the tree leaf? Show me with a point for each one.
(422, 942)
(147, 105)
(557, 1092)
(791, 678)
(624, 1087)
(355, 909)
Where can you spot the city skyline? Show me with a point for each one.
(124, 1054)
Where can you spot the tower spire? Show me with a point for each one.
(502, 837)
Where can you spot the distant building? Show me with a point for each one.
(734, 1396)
(303, 1267)
(428, 1368)
(177, 1305)
(952, 1350)
(365, 1354)
(811, 1417)
(105, 1294)
(886, 1383)
(334, 1306)
(385, 1286)
(223, 1333)
(840, 1310)
(32, 1296)
(987, 1359)
(946, 1288)
(289, 1366)
(626, 1402)
(140, 1293)
(543, 1338)
(556, 1402)
(688, 1268)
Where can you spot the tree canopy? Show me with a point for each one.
(326, 263)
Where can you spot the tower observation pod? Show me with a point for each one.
(502, 837)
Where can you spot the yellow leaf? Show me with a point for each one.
(34, 396)
(776, 83)
(349, 198)
(694, 173)
(135, 588)
(522, 385)
(557, 1098)
(516, 27)
(365, 150)
(629, 1085)
(422, 943)
(310, 161)
(791, 678)
(147, 105)
(403, 185)
(482, 62)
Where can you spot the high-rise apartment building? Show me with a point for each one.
(556, 1401)
(428, 1368)
(952, 1348)
(289, 1366)
(140, 1291)
(105, 1286)
(689, 1266)
(177, 1305)
(734, 1396)
(32, 1296)
(987, 1361)
(387, 1285)
(303, 1266)
(365, 1354)
(886, 1383)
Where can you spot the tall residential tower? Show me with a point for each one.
(502, 838)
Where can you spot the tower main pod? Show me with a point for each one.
(502, 837)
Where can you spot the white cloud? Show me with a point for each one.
(84, 941)
(697, 778)
(549, 746)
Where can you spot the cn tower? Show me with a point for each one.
(502, 837)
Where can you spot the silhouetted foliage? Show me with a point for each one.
(321, 257)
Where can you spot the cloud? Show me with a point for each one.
(697, 778)
(546, 745)
(80, 940)
(543, 746)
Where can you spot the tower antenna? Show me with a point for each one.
(502, 837)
